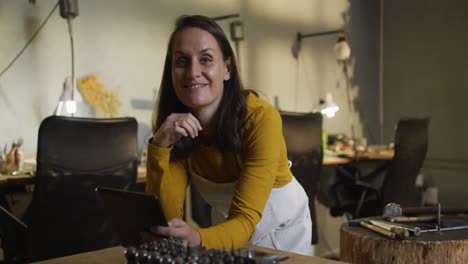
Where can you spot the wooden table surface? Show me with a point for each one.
(116, 255)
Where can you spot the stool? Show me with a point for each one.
(359, 245)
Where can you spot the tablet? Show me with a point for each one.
(130, 213)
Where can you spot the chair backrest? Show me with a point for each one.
(74, 156)
(411, 140)
(303, 136)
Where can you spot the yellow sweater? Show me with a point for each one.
(264, 166)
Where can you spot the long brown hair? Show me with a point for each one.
(232, 109)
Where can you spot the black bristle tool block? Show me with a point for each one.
(173, 251)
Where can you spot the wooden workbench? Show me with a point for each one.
(116, 255)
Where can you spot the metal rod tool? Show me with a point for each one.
(378, 230)
(402, 232)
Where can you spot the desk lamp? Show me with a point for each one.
(343, 52)
(68, 11)
(328, 107)
(66, 100)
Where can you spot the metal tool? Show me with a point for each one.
(442, 229)
(400, 233)
(397, 228)
(394, 210)
(438, 216)
(402, 219)
(378, 230)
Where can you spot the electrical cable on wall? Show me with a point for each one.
(72, 50)
(29, 41)
(365, 122)
(68, 11)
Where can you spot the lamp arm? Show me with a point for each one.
(309, 35)
(225, 17)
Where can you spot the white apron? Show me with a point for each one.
(285, 223)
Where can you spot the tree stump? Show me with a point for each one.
(359, 245)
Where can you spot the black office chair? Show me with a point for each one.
(365, 194)
(74, 156)
(303, 135)
(356, 189)
(12, 233)
(411, 142)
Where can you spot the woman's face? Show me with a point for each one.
(198, 69)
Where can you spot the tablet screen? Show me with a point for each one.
(130, 213)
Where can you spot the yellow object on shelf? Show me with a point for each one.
(104, 102)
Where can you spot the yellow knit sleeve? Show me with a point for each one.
(262, 145)
(167, 179)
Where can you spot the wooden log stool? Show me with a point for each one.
(360, 245)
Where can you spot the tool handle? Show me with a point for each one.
(378, 230)
(432, 210)
(422, 218)
(400, 233)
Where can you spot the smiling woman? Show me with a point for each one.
(228, 143)
(198, 70)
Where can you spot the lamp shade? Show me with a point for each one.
(342, 49)
(327, 107)
(66, 100)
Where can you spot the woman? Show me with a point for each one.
(228, 142)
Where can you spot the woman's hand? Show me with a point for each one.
(179, 229)
(174, 127)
